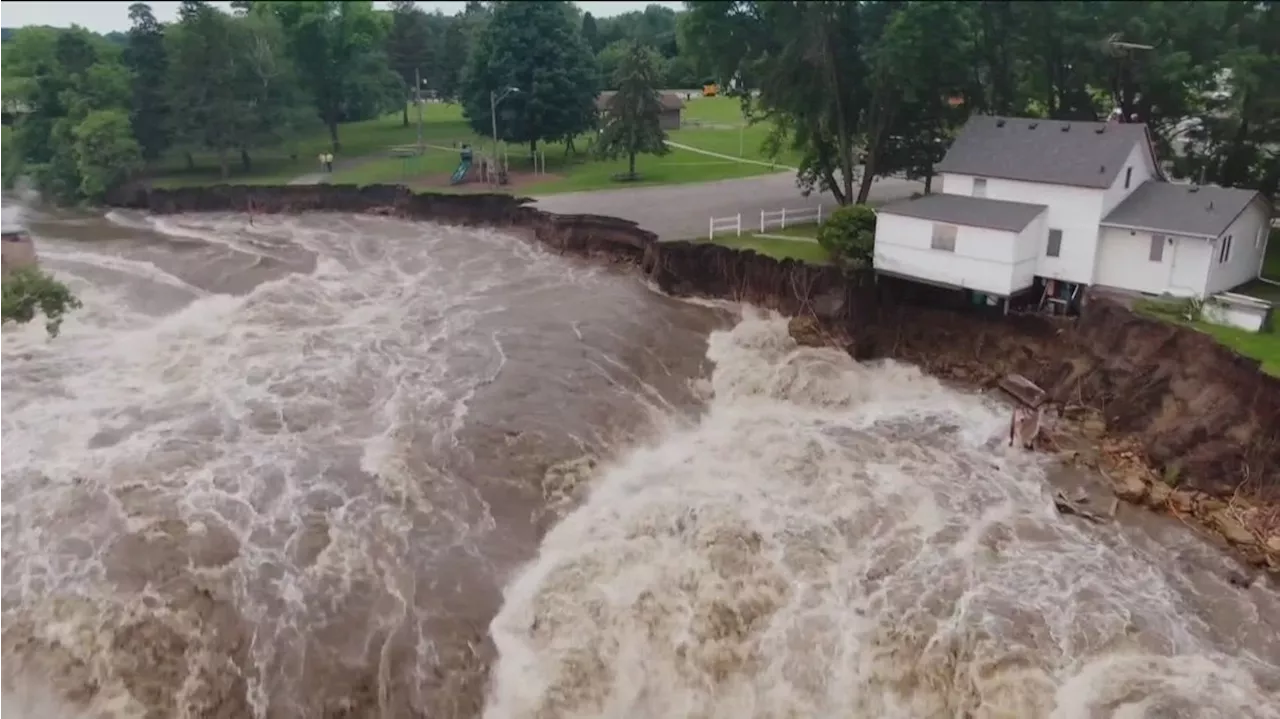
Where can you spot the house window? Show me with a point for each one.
(979, 187)
(1156, 253)
(1225, 253)
(1128, 176)
(1055, 244)
(944, 238)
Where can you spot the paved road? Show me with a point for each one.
(679, 212)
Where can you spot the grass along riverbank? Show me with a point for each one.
(368, 155)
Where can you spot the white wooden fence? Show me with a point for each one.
(780, 218)
(725, 224)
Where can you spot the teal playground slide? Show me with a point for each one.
(460, 174)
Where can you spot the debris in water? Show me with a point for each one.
(1072, 507)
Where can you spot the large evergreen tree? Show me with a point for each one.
(145, 57)
(632, 122)
(534, 47)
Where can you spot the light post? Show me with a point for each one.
(494, 99)
(417, 90)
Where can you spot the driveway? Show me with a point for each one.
(681, 212)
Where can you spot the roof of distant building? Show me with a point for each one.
(669, 100)
(1060, 152)
(967, 210)
(1181, 209)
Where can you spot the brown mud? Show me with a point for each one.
(1177, 421)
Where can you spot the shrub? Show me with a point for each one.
(849, 236)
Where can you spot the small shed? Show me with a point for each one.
(672, 107)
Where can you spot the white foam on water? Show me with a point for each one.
(836, 539)
(277, 429)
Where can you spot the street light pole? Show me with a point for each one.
(494, 99)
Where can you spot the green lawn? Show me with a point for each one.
(716, 124)
(781, 249)
(807, 230)
(1263, 346)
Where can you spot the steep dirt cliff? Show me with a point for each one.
(1199, 420)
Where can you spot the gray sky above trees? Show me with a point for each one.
(107, 16)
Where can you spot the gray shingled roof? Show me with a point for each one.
(967, 210)
(1199, 210)
(1087, 154)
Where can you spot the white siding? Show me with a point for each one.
(1139, 161)
(1124, 261)
(986, 260)
(1246, 254)
(1074, 210)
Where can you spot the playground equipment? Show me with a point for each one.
(464, 166)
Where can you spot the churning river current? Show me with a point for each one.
(299, 468)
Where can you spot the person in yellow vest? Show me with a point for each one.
(321, 157)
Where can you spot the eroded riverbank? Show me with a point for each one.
(1189, 426)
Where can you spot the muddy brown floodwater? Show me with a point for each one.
(299, 468)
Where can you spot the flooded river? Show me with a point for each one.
(299, 468)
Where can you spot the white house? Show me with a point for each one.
(1056, 206)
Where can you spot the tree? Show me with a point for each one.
(337, 49)
(204, 88)
(633, 117)
(590, 33)
(409, 45)
(145, 57)
(105, 151)
(533, 47)
(849, 236)
(27, 291)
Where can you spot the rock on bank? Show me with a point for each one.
(1202, 416)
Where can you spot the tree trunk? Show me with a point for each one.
(568, 146)
(868, 174)
(405, 117)
(928, 181)
(223, 166)
(533, 148)
(245, 161)
(842, 198)
(333, 135)
(191, 160)
(631, 170)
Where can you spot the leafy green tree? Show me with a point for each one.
(337, 48)
(26, 291)
(145, 57)
(534, 47)
(849, 236)
(106, 152)
(409, 45)
(632, 123)
(204, 86)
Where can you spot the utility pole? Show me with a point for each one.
(417, 91)
(494, 99)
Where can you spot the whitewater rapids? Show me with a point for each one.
(297, 469)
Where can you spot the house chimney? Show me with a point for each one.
(999, 122)
(1100, 129)
(1102, 169)
(1032, 126)
(1066, 127)
(1193, 188)
(1211, 205)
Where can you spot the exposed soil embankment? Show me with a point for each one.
(1182, 423)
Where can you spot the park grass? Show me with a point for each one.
(368, 155)
(1263, 346)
